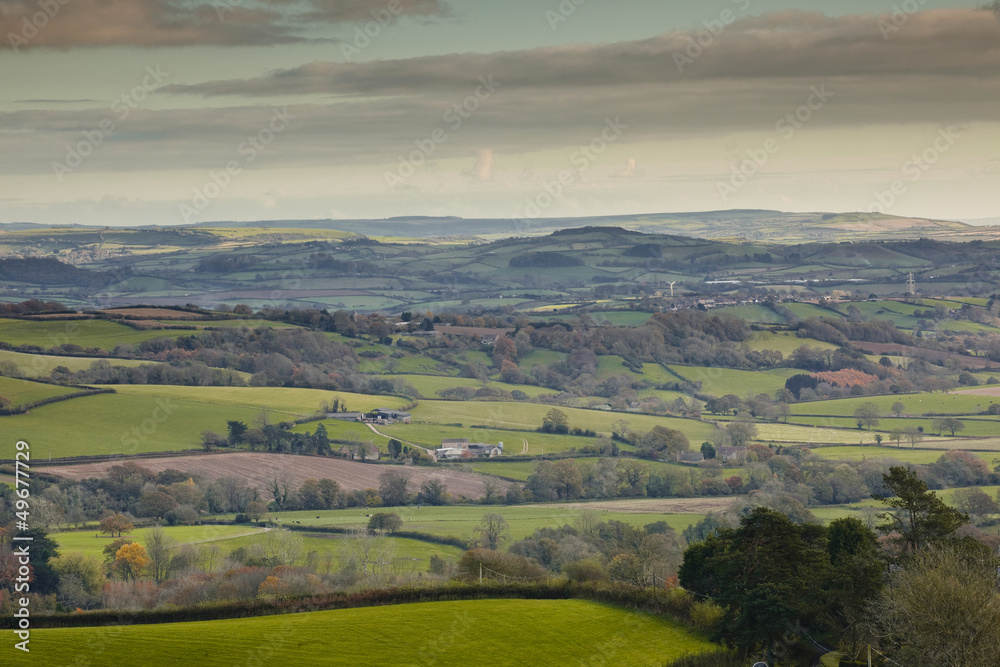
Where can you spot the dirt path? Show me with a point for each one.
(524, 448)
(405, 442)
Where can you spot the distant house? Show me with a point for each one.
(485, 449)
(390, 415)
(692, 457)
(449, 453)
(346, 416)
(734, 454)
(458, 443)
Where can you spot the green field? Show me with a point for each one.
(904, 453)
(21, 392)
(722, 381)
(785, 342)
(916, 404)
(99, 334)
(461, 520)
(92, 543)
(41, 365)
(154, 418)
(530, 415)
(430, 385)
(500, 632)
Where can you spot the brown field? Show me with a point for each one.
(258, 468)
(982, 391)
(154, 313)
(653, 505)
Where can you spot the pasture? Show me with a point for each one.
(99, 334)
(41, 365)
(461, 520)
(509, 632)
(722, 381)
(22, 392)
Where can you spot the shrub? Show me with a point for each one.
(706, 615)
(589, 570)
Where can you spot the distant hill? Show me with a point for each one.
(749, 225)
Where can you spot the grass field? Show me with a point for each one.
(529, 416)
(916, 404)
(91, 543)
(461, 520)
(502, 632)
(430, 385)
(785, 342)
(21, 392)
(154, 418)
(41, 365)
(430, 435)
(904, 454)
(99, 334)
(722, 381)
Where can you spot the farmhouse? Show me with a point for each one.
(457, 448)
(737, 454)
(692, 457)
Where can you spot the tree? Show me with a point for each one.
(310, 495)
(158, 548)
(395, 448)
(896, 435)
(237, 432)
(764, 574)
(115, 524)
(384, 522)
(920, 516)
(707, 450)
(432, 492)
(555, 421)
(941, 608)
(898, 408)
(131, 560)
(867, 414)
(493, 531)
(741, 432)
(392, 488)
(878, 438)
(665, 441)
(974, 501)
(913, 435)
(949, 424)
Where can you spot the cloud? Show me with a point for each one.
(629, 169)
(171, 23)
(941, 67)
(941, 42)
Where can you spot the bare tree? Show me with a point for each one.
(493, 531)
(158, 548)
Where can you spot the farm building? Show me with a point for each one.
(346, 416)
(460, 443)
(692, 457)
(390, 415)
(456, 448)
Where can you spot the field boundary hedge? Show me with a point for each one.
(22, 409)
(654, 601)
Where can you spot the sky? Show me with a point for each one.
(168, 112)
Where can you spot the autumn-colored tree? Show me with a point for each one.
(131, 560)
(116, 524)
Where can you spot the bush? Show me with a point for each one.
(585, 571)
(706, 615)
